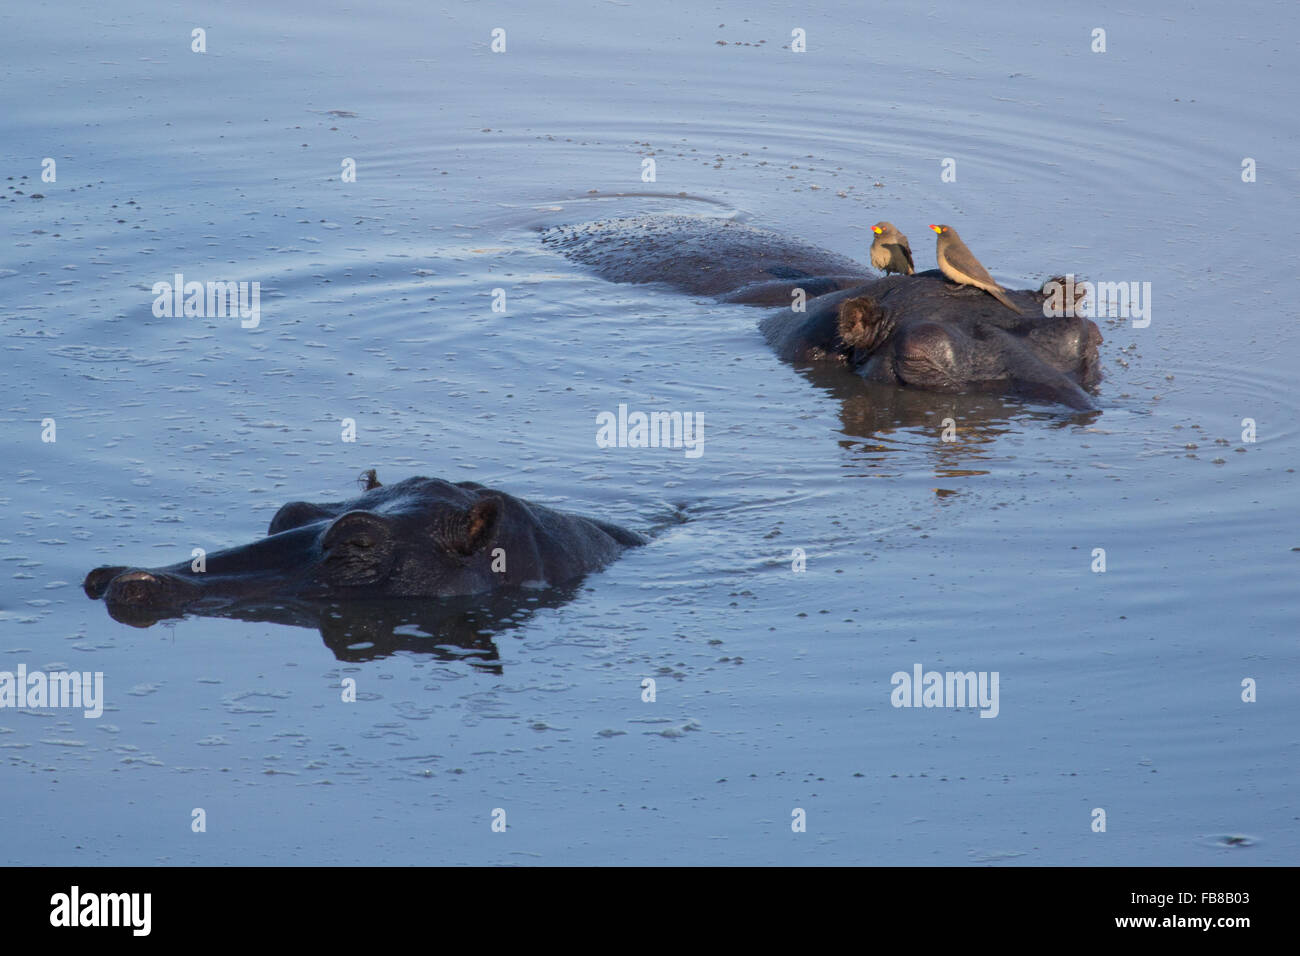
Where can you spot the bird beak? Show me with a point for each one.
(877, 230)
(935, 228)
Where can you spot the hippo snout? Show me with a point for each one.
(97, 581)
(138, 596)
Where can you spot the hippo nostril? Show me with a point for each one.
(135, 587)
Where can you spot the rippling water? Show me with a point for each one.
(1119, 690)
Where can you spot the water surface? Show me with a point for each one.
(1119, 691)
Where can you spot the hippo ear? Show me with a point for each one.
(479, 525)
(296, 514)
(357, 549)
(862, 324)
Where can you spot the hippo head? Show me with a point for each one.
(413, 542)
(419, 538)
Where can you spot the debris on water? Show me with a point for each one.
(1234, 839)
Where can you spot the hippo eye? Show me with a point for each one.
(357, 549)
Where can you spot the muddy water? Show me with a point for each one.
(1118, 690)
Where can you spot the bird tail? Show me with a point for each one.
(1001, 297)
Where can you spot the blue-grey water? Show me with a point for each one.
(1120, 691)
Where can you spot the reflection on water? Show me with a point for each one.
(887, 425)
(446, 629)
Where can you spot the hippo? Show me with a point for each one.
(923, 332)
(418, 538)
(916, 332)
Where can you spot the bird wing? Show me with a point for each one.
(961, 259)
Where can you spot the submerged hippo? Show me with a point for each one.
(919, 331)
(422, 538)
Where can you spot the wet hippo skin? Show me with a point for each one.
(919, 332)
(418, 538)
